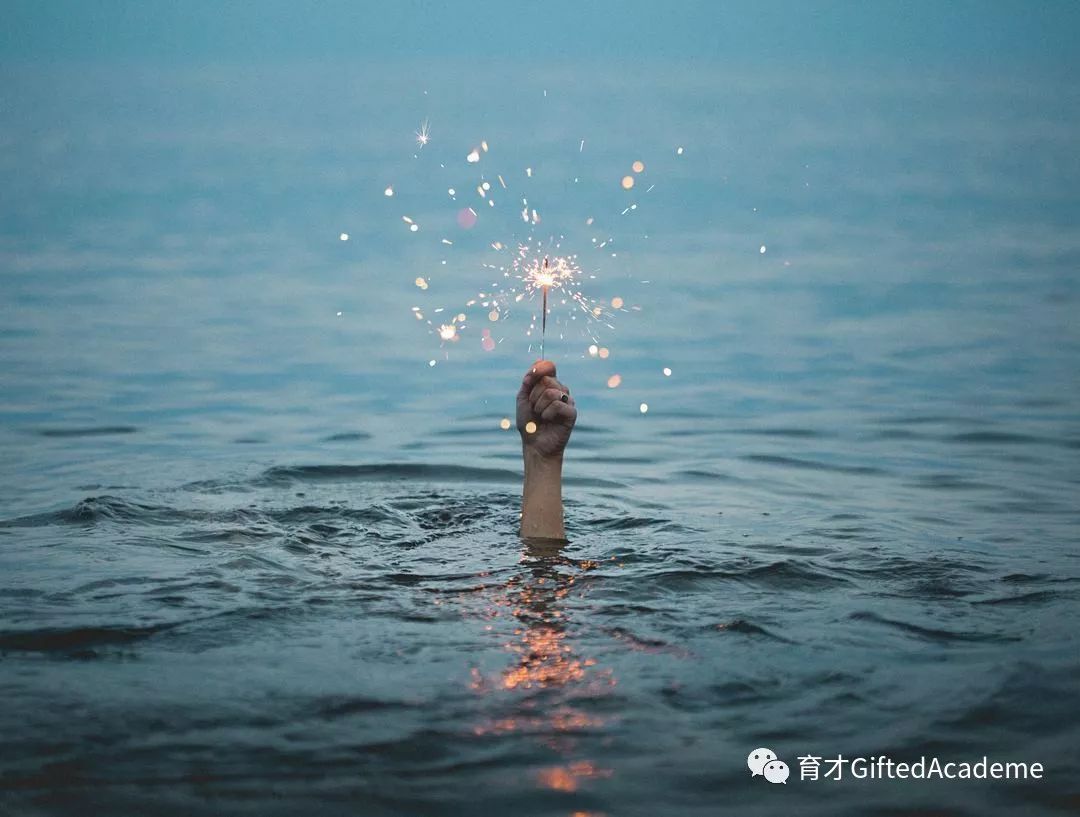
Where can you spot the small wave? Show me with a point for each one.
(627, 522)
(406, 471)
(801, 433)
(814, 465)
(1034, 597)
(98, 508)
(931, 633)
(89, 431)
(744, 627)
(333, 708)
(347, 437)
(702, 474)
(994, 438)
(639, 643)
(947, 482)
(784, 574)
(78, 639)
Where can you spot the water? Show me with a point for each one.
(258, 557)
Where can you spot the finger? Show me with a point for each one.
(543, 368)
(543, 385)
(546, 399)
(561, 411)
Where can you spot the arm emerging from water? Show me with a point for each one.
(545, 418)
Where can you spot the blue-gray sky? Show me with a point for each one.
(1040, 34)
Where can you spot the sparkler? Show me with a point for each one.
(545, 275)
(539, 267)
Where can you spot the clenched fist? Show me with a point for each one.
(544, 401)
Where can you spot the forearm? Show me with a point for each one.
(541, 500)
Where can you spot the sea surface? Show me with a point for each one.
(258, 548)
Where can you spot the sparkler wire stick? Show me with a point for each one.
(543, 320)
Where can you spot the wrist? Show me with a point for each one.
(538, 463)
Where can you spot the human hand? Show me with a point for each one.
(545, 401)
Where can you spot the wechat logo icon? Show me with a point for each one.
(764, 762)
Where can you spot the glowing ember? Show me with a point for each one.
(530, 427)
(604, 352)
(616, 303)
(637, 167)
(504, 423)
(473, 157)
(614, 381)
(420, 282)
(627, 182)
(448, 332)
(423, 136)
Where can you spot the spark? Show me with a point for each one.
(644, 408)
(762, 250)
(448, 331)
(667, 372)
(344, 236)
(423, 136)
(388, 192)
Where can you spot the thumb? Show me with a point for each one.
(524, 407)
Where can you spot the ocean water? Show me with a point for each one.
(257, 556)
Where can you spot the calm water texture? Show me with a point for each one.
(257, 557)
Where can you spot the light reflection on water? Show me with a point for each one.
(550, 684)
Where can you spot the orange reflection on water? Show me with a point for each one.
(548, 677)
(565, 778)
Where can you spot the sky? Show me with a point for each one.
(968, 32)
